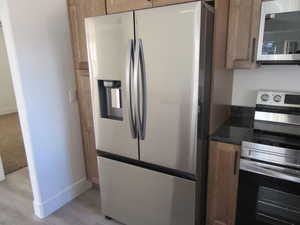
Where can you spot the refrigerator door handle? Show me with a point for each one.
(136, 82)
(129, 89)
(140, 89)
(144, 91)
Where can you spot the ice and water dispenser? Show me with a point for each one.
(110, 99)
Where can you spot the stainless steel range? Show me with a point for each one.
(278, 112)
(269, 186)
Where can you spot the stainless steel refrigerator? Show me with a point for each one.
(150, 84)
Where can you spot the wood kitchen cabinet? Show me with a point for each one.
(115, 6)
(222, 189)
(243, 31)
(168, 2)
(87, 127)
(78, 11)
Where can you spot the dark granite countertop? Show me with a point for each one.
(239, 128)
(232, 134)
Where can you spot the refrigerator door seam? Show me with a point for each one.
(149, 166)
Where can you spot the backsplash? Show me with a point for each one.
(242, 116)
(273, 77)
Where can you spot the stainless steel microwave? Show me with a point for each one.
(279, 37)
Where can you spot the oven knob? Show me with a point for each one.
(265, 97)
(277, 98)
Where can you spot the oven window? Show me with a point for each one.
(264, 200)
(282, 34)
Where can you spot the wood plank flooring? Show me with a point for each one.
(16, 205)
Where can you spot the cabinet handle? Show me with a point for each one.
(235, 162)
(253, 50)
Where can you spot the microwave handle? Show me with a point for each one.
(270, 170)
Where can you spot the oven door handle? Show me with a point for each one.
(270, 170)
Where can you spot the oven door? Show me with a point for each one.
(279, 38)
(268, 195)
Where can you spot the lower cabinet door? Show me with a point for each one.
(223, 175)
(136, 196)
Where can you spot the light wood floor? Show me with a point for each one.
(16, 205)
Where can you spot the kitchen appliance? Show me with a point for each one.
(150, 83)
(278, 112)
(269, 185)
(279, 38)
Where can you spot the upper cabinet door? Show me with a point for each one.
(115, 6)
(243, 33)
(108, 39)
(78, 11)
(170, 37)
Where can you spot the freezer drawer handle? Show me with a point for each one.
(129, 89)
(140, 89)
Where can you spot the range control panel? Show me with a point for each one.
(278, 98)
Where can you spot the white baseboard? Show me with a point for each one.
(8, 110)
(48, 207)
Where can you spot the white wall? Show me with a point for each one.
(279, 77)
(7, 97)
(38, 42)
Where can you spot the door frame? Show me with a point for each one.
(65, 150)
(2, 174)
(18, 90)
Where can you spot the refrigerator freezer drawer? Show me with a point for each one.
(135, 196)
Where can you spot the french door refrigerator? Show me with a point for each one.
(150, 85)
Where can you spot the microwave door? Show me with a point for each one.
(279, 38)
(168, 39)
(110, 42)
